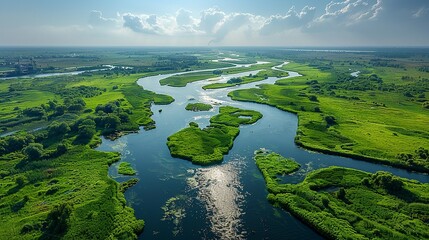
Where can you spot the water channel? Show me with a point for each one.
(179, 200)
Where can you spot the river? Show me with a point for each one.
(71, 73)
(179, 200)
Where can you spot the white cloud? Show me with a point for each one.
(96, 19)
(349, 12)
(210, 18)
(292, 19)
(141, 24)
(420, 12)
(216, 26)
(184, 18)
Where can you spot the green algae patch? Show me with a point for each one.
(209, 145)
(198, 107)
(125, 168)
(174, 211)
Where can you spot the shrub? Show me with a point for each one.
(313, 98)
(330, 121)
(34, 151)
(56, 223)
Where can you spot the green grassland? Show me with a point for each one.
(266, 66)
(183, 79)
(125, 168)
(364, 117)
(50, 60)
(232, 116)
(52, 184)
(342, 203)
(208, 145)
(262, 75)
(196, 107)
(32, 192)
(31, 93)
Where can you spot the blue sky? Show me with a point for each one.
(214, 22)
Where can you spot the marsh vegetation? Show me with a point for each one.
(208, 145)
(343, 203)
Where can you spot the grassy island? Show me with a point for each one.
(208, 145)
(197, 107)
(125, 168)
(343, 203)
(262, 75)
(183, 79)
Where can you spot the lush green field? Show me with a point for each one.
(273, 165)
(52, 184)
(208, 145)
(232, 116)
(93, 89)
(183, 79)
(52, 60)
(196, 107)
(125, 168)
(69, 196)
(262, 75)
(343, 203)
(361, 117)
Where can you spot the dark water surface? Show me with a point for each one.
(179, 200)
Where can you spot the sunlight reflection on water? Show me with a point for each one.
(220, 189)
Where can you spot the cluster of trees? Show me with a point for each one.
(330, 121)
(31, 144)
(80, 91)
(15, 142)
(175, 62)
(384, 180)
(54, 109)
(111, 117)
(420, 154)
(234, 80)
(384, 63)
(217, 72)
(424, 69)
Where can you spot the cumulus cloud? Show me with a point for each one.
(215, 25)
(292, 19)
(96, 19)
(148, 24)
(212, 23)
(350, 11)
(184, 18)
(137, 24)
(210, 18)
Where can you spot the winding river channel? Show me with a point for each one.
(179, 200)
